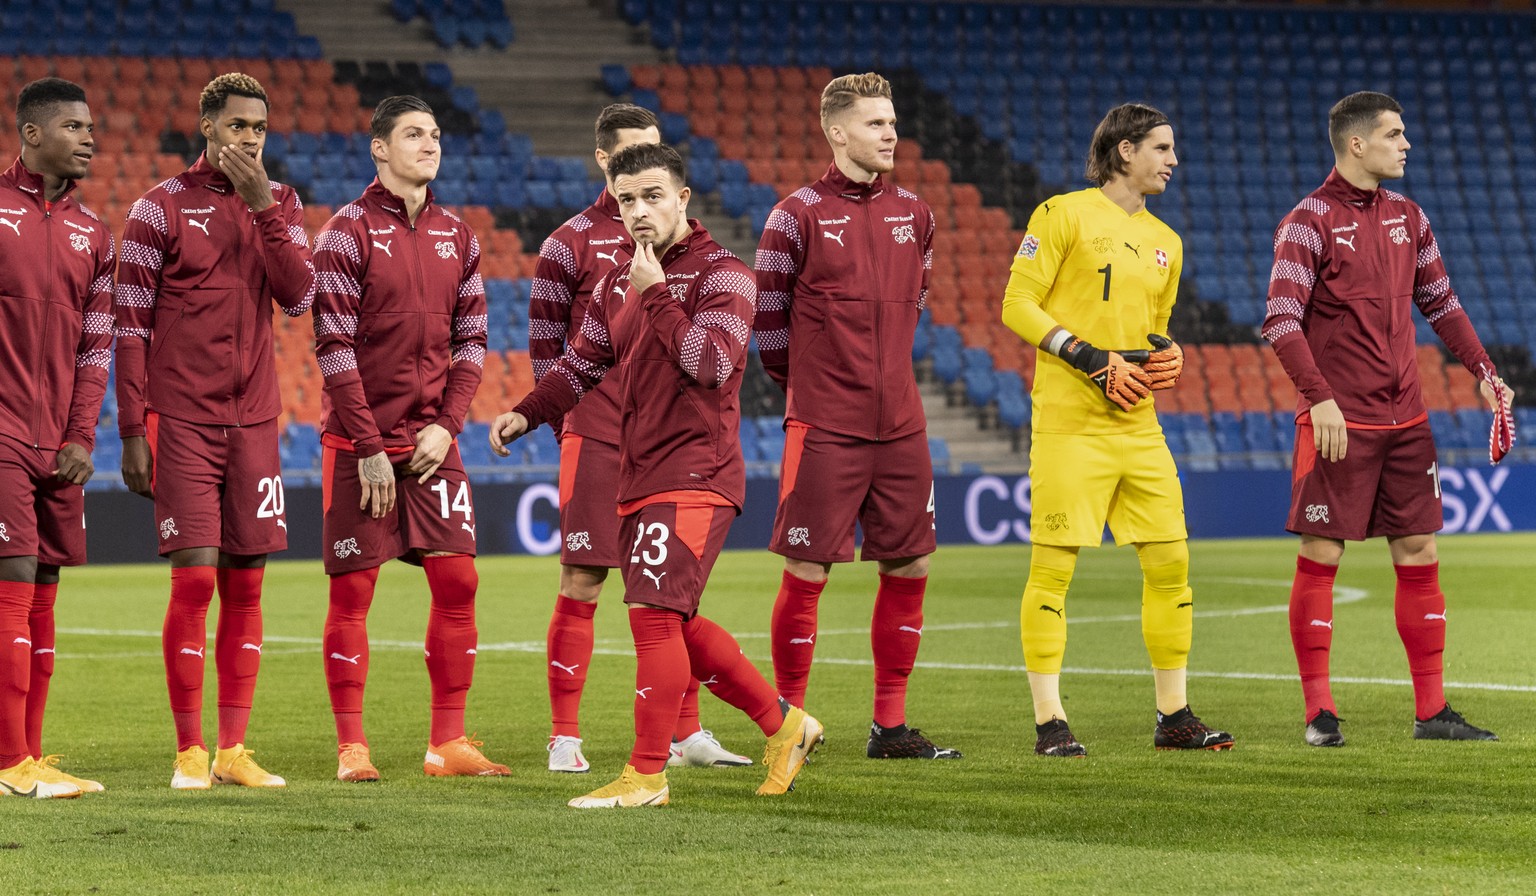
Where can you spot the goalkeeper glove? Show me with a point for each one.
(1116, 374)
(1166, 364)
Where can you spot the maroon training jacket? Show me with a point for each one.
(55, 314)
(842, 275)
(683, 346)
(194, 297)
(1350, 267)
(399, 321)
(571, 261)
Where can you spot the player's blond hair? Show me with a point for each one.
(220, 89)
(841, 93)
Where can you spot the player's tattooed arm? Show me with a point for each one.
(377, 476)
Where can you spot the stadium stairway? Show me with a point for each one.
(546, 84)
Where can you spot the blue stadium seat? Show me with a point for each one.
(938, 449)
(615, 78)
(980, 386)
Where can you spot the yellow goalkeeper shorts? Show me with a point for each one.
(1078, 483)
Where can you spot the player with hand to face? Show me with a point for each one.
(676, 318)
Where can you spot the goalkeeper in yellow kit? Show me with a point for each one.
(1092, 286)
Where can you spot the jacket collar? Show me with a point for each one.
(607, 205)
(841, 184)
(696, 239)
(29, 181)
(381, 196)
(204, 174)
(1344, 191)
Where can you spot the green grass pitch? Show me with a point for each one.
(1385, 814)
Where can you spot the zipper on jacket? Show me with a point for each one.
(421, 318)
(239, 371)
(868, 214)
(37, 398)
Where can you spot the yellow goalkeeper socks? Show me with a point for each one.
(1167, 614)
(1043, 611)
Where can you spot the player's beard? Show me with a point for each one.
(873, 161)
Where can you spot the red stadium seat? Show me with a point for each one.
(645, 77)
(132, 70)
(674, 77)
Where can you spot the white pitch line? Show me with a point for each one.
(1343, 594)
(538, 647)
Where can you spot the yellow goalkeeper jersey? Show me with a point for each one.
(1107, 277)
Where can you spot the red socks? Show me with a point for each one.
(1420, 610)
(344, 650)
(40, 623)
(451, 641)
(183, 640)
(894, 634)
(794, 635)
(688, 717)
(661, 676)
(237, 650)
(1312, 631)
(716, 656)
(569, 650)
(15, 665)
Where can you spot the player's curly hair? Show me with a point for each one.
(643, 157)
(1127, 121)
(220, 89)
(1356, 115)
(37, 101)
(841, 93)
(622, 116)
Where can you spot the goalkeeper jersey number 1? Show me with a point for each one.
(1109, 278)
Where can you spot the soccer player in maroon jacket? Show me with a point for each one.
(205, 254)
(571, 260)
(1352, 261)
(842, 272)
(675, 323)
(56, 261)
(400, 337)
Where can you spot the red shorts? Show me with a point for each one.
(1387, 484)
(672, 549)
(40, 515)
(436, 515)
(830, 480)
(217, 486)
(589, 490)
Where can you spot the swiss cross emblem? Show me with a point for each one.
(1162, 258)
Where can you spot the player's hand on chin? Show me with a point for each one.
(138, 465)
(432, 445)
(1329, 435)
(73, 464)
(508, 428)
(646, 271)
